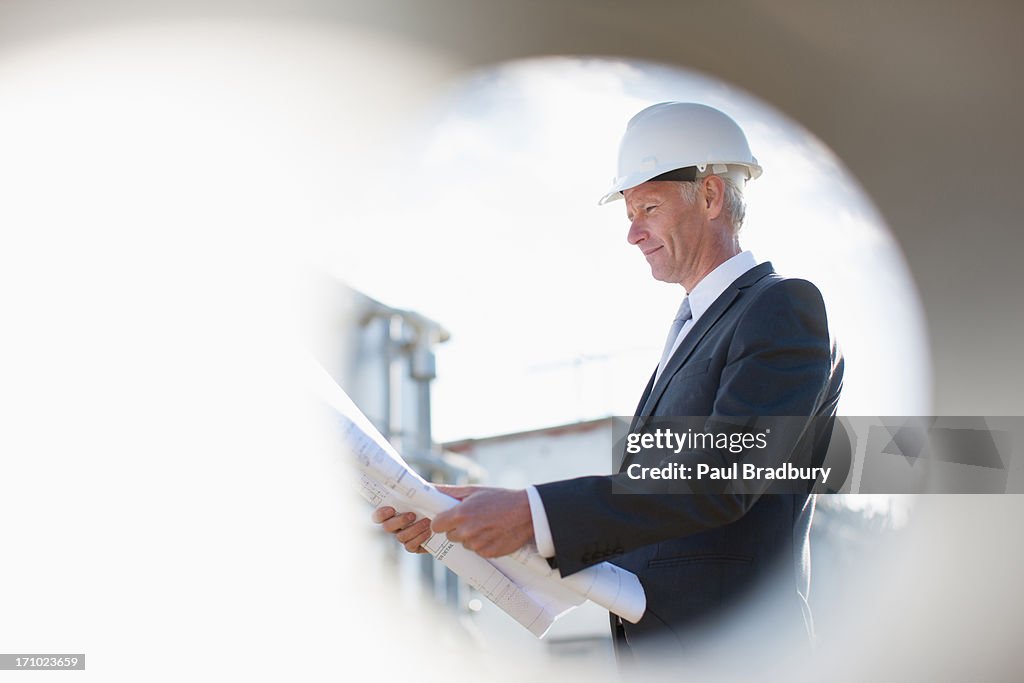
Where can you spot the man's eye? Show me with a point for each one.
(650, 207)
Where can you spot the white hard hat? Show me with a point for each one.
(679, 140)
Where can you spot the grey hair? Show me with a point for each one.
(733, 203)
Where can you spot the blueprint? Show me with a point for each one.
(522, 584)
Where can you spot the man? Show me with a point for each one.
(745, 344)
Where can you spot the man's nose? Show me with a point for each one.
(637, 232)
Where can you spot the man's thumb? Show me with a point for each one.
(457, 492)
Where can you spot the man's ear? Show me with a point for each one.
(714, 195)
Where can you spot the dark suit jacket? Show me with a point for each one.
(762, 349)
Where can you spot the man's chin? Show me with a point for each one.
(661, 276)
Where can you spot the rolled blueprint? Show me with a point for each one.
(522, 584)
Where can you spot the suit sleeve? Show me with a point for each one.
(779, 363)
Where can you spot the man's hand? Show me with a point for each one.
(409, 532)
(413, 533)
(491, 522)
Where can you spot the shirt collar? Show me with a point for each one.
(714, 283)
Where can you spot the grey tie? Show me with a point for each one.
(682, 315)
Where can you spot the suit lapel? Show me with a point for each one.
(694, 337)
(643, 400)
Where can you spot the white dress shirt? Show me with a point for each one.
(701, 297)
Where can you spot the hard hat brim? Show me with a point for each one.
(623, 184)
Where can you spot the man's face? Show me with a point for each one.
(672, 232)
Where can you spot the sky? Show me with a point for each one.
(488, 223)
(472, 201)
